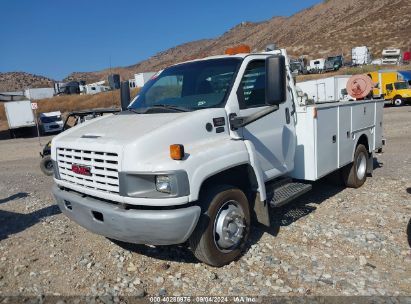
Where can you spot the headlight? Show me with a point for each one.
(163, 183)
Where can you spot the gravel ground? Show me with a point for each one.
(332, 241)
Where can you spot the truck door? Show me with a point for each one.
(273, 135)
(389, 88)
(321, 93)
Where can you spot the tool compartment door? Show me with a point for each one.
(379, 108)
(327, 140)
(345, 140)
(363, 115)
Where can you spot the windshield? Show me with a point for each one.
(335, 59)
(189, 86)
(401, 85)
(49, 119)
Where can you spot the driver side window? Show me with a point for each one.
(389, 87)
(252, 86)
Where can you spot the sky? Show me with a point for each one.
(54, 38)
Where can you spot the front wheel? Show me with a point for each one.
(355, 174)
(46, 165)
(398, 102)
(224, 226)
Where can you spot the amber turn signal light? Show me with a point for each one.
(238, 50)
(177, 152)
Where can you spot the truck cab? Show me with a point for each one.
(334, 63)
(389, 87)
(398, 93)
(205, 150)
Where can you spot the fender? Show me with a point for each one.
(224, 155)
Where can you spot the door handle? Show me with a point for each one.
(287, 115)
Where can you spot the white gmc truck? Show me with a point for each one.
(205, 149)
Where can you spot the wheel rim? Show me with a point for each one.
(49, 165)
(397, 102)
(361, 166)
(229, 226)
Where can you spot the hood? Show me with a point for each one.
(130, 128)
(119, 129)
(404, 92)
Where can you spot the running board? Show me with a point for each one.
(281, 193)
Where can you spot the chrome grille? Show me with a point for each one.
(103, 168)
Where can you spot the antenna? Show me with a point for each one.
(111, 73)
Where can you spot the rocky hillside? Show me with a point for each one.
(330, 27)
(16, 81)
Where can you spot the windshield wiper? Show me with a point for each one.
(170, 107)
(134, 111)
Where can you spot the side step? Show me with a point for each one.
(281, 193)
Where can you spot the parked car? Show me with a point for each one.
(50, 122)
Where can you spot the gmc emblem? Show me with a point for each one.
(82, 170)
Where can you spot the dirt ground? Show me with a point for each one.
(332, 241)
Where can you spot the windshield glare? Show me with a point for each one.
(401, 85)
(193, 86)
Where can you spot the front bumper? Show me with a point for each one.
(52, 130)
(155, 227)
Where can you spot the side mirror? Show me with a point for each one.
(276, 80)
(124, 95)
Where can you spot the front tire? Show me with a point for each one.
(224, 226)
(354, 175)
(46, 165)
(398, 102)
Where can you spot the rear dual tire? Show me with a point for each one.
(224, 226)
(354, 175)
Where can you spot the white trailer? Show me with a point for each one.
(361, 55)
(326, 89)
(19, 114)
(199, 164)
(39, 93)
(142, 78)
